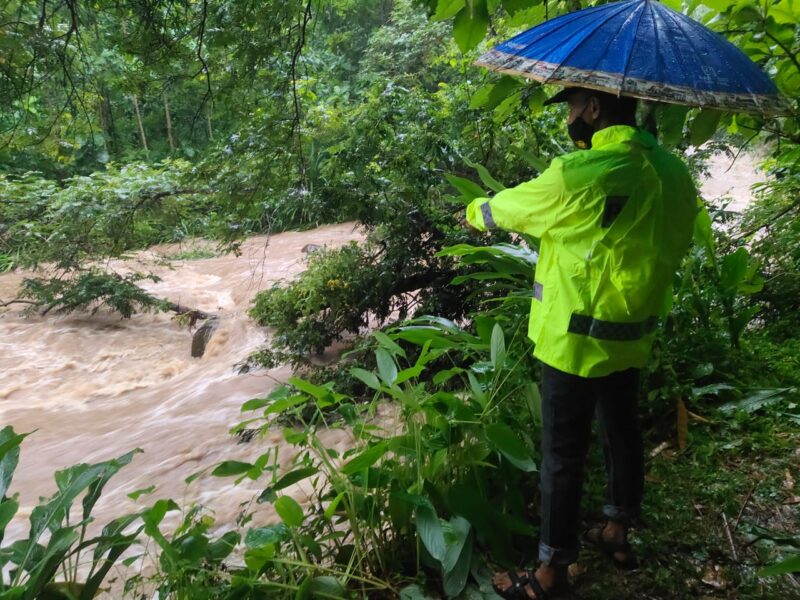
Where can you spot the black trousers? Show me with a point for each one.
(568, 405)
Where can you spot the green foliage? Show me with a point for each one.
(54, 543)
(453, 431)
(373, 114)
(91, 289)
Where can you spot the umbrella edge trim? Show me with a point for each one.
(551, 73)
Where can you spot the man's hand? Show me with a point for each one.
(466, 224)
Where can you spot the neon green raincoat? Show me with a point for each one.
(614, 223)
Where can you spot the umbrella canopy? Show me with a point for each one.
(643, 49)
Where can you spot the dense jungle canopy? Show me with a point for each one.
(130, 123)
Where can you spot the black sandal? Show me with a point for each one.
(594, 537)
(517, 589)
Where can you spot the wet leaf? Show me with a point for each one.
(230, 468)
(704, 126)
(470, 24)
(290, 512)
(505, 441)
(366, 458)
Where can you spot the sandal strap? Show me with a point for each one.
(517, 589)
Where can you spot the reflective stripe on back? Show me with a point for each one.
(611, 330)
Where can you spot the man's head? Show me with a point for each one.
(591, 110)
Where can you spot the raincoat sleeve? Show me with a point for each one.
(531, 207)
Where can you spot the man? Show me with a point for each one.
(614, 219)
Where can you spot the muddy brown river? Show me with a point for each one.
(91, 388)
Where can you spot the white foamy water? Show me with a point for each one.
(732, 178)
(95, 387)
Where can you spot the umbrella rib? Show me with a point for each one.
(725, 57)
(562, 25)
(633, 45)
(694, 90)
(584, 40)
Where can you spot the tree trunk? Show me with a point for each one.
(208, 121)
(139, 122)
(107, 123)
(169, 123)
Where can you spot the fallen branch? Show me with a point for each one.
(744, 505)
(193, 313)
(730, 537)
(16, 301)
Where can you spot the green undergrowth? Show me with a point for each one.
(740, 465)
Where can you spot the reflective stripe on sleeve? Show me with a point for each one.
(486, 213)
(538, 289)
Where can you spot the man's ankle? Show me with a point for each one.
(615, 531)
(551, 575)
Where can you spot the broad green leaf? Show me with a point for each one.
(446, 9)
(501, 91)
(446, 375)
(733, 269)
(230, 468)
(388, 343)
(537, 163)
(790, 565)
(108, 470)
(788, 79)
(318, 392)
(254, 404)
(288, 479)
(481, 96)
(757, 399)
(458, 555)
(477, 390)
(326, 586)
(704, 125)
(719, 5)
(470, 24)
(703, 233)
(262, 536)
(485, 176)
(9, 456)
(220, 549)
(505, 441)
(510, 105)
(290, 512)
(330, 510)
(135, 495)
(497, 348)
(387, 369)
(367, 377)
(536, 100)
(415, 592)
(256, 558)
(429, 530)
(284, 404)
(409, 373)
(514, 6)
(8, 508)
(366, 458)
(671, 118)
(469, 189)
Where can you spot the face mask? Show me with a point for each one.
(581, 132)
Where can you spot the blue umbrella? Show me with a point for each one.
(643, 49)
